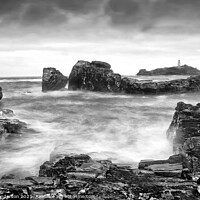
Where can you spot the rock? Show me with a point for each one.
(171, 167)
(1, 93)
(132, 86)
(184, 133)
(81, 182)
(98, 76)
(94, 76)
(40, 180)
(62, 165)
(53, 79)
(6, 113)
(11, 125)
(182, 70)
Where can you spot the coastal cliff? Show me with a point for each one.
(53, 79)
(182, 70)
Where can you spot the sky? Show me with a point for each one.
(128, 34)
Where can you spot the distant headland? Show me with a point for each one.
(175, 70)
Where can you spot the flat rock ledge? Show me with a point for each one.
(53, 79)
(81, 177)
(98, 76)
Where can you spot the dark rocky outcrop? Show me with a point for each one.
(182, 70)
(1, 93)
(81, 177)
(10, 125)
(98, 76)
(184, 132)
(132, 86)
(53, 79)
(184, 135)
(94, 76)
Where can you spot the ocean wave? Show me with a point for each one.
(19, 80)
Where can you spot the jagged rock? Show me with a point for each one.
(1, 93)
(184, 133)
(53, 79)
(11, 125)
(132, 86)
(98, 76)
(80, 182)
(182, 70)
(6, 113)
(62, 165)
(94, 76)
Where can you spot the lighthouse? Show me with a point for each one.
(179, 63)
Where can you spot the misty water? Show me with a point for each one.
(119, 127)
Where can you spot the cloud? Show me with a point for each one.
(41, 11)
(148, 16)
(154, 15)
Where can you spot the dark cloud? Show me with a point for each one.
(124, 15)
(78, 6)
(9, 6)
(32, 12)
(145, 15)
(123, 12)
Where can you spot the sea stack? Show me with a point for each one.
(94, 76)
(1, 93)
(53, 79)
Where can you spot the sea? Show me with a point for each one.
(120, 127)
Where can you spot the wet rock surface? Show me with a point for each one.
(53, 79)
(184, 132)
(8, 124)
(81, 177)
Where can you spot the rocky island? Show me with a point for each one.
(176, 70)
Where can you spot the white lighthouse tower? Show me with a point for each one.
(179, 63)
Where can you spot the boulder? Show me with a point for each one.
(1, 93)
(11, 125)
(53, 79)
(58, 166)
(182, 70)
(184, 133)
(94, 76)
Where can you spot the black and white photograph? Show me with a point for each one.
(100, 99)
